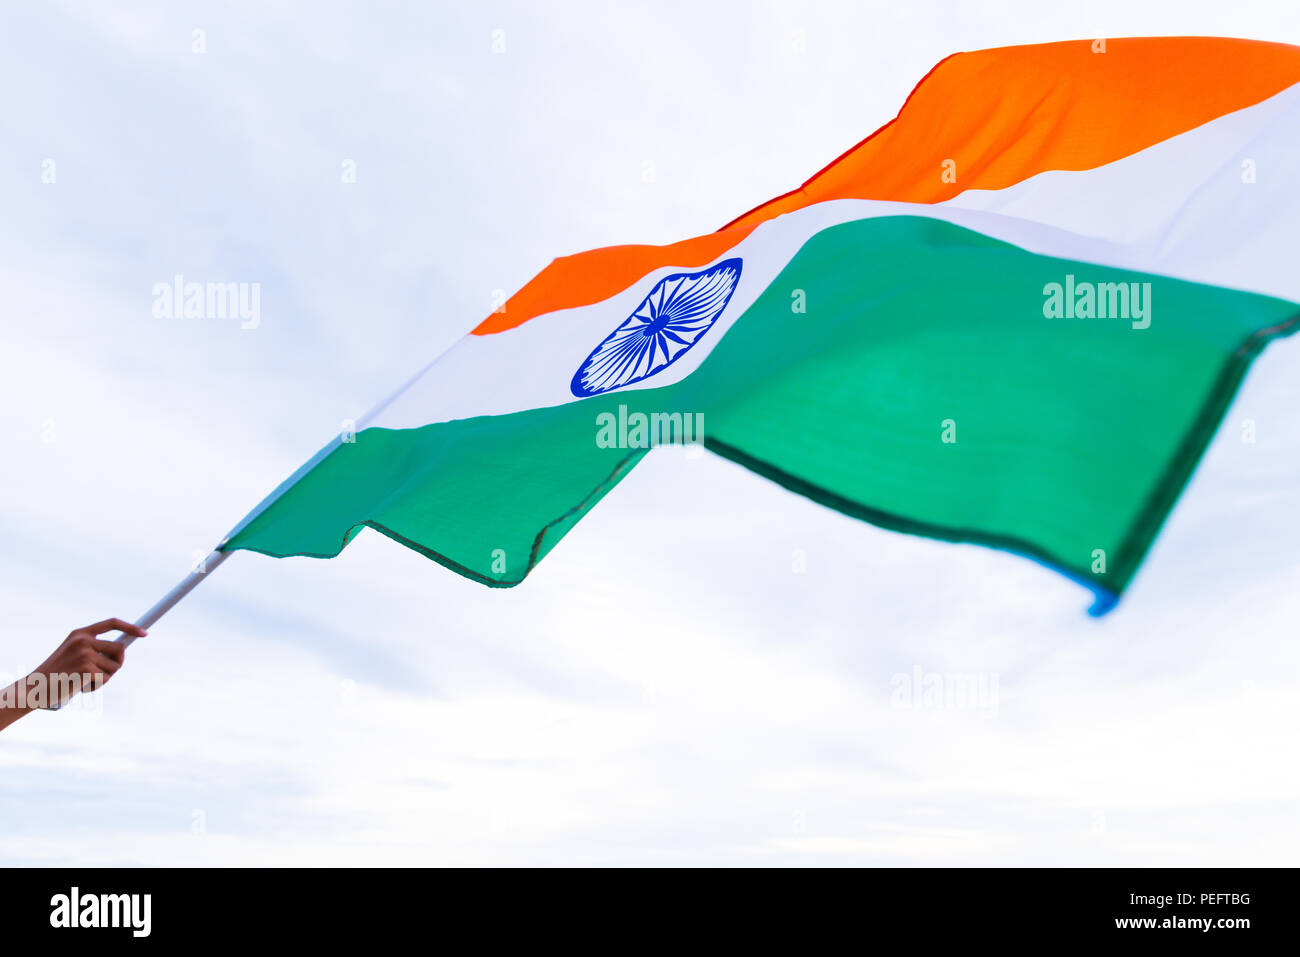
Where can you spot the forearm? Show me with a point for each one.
(14, 703)
(82, 663)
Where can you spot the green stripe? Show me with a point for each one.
(1073, 436)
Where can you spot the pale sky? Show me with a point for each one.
(707, 669)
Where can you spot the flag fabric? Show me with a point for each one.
(1014, 316)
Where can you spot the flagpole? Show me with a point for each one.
(170, 600)
(217, 556)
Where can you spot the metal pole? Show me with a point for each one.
(216, 557)
(169, 600)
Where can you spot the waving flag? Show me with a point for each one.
(1014, 316)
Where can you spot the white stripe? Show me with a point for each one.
(1181, 208)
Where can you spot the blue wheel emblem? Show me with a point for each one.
(676, 314)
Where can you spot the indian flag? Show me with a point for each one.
(1014, 315)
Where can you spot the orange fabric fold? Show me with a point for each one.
(999, 116)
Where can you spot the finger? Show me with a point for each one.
(105, 666)
(113, 649)
(114, 624)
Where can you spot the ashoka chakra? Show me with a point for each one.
(676, 314)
